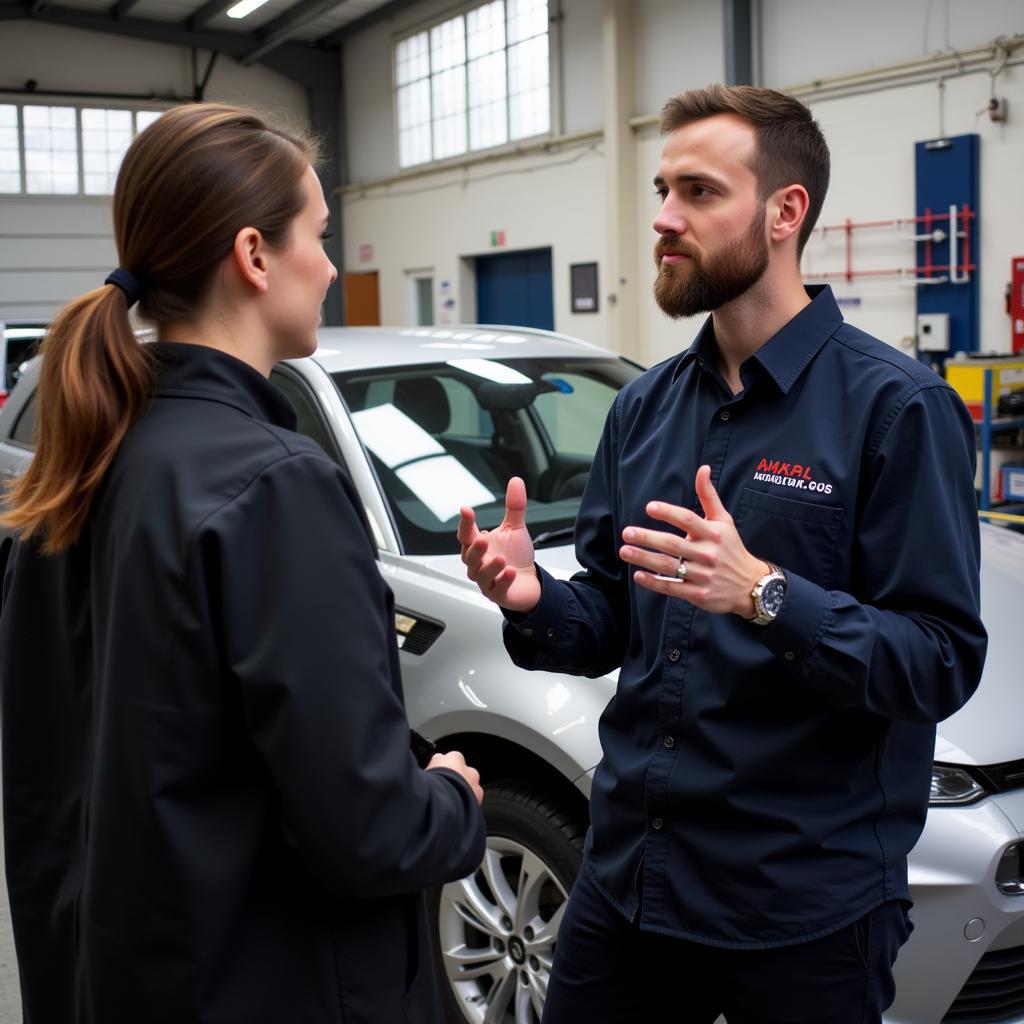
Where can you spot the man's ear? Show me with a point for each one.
(787, 210)
(249, 255)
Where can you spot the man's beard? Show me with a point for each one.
(712, 280)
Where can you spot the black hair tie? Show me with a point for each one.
(127, 282)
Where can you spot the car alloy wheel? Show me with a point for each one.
(497, 928)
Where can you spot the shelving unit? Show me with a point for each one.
(988, 425)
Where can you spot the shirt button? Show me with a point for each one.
(789, 655)
(673, 655)
(551, 631)
(669, 742)
(527, 631)
(723, 415)
(657, 823)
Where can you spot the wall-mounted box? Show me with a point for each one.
(932, 332)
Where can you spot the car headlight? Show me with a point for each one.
(952, 785)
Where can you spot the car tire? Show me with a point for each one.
(494, 932)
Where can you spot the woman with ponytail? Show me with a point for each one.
(211, 810)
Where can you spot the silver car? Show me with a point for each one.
(426, 420)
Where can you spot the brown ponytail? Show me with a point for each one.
(188, 184)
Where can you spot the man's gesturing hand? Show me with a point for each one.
(720, 572)
(500, 562)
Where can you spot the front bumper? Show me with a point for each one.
(965, 959)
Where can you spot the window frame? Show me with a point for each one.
(509, 145)
(23, 192)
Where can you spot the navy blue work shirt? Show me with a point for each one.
(763, 786)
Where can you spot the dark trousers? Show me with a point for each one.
(607, 971)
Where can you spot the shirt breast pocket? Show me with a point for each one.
(802, 536)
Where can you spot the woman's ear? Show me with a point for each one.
(250, 258)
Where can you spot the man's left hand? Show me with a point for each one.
(720, 572)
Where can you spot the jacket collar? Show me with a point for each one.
(786, 353)
(198, 371)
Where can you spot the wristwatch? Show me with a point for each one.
(769, 592)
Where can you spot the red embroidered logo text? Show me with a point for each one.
(789, 474)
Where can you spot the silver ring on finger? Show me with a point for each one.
(681, 570)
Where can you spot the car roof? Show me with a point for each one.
(357, 348)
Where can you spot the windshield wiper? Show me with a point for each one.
(562, 533)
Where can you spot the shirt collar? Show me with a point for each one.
(199, 371)
(787, 352)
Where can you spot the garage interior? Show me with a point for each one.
(490, 163)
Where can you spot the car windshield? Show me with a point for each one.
(445, 435)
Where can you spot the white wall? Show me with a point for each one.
(442, 221)
(55, 247)
(803, 40)
(679, 46)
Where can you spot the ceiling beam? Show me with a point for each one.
(310, 66)
(122, 7)
(385, 11)
(287, 24)
(739, 42)
(206, 13)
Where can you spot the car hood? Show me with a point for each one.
(559, 561)
(986, 730)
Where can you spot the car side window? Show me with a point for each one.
(25, 425)
(309, 421)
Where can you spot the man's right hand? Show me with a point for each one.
(500, 562)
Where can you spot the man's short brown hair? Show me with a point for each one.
(790, 147)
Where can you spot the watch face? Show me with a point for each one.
(772, 596)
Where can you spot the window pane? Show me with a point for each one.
(529, 105)
(488, 126)
(529, 114)
(62, 117)
(448, 99)
(449, 136)
(485, 29)
(412, 60)
(528, 66)
(488, 118)
(414, 105)
(526, 18)
(414, 146)
(105, 137)
(144, 118)
(10, 152)
(51, 150)
(447, 45)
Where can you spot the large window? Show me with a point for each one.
(65, 150)
(474, 81)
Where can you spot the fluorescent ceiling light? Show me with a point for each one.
(240, 10)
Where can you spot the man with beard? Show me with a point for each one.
(779, 544)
